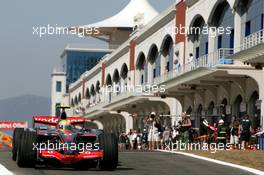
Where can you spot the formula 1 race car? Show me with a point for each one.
(64, 141)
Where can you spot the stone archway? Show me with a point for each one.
(254, 109)
(236, 106)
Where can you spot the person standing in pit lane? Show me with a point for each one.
(245, 130)
(153, 133)
(221, 132)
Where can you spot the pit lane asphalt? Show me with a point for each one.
(136, 163)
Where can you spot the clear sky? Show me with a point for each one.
(26, 61)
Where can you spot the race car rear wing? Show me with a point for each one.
(49, 120)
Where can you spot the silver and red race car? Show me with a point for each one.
(57, 141)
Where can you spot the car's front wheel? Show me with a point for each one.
(16, 141)
(27, 154)
(109, 145)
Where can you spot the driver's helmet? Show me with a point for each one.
(64, 125)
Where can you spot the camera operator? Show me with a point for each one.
(186, 124)
(153, 134)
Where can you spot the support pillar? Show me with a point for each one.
(211, 48)
(128, 118)
(262, 112)
(162, 65)
(175, 110)
(237, 32)
(150, 73)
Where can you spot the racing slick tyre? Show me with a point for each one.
(108, 143)
(27, 154)
(16, 140)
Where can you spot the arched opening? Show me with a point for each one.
(189, 112)
(212, 114)
(154, 60)
(222, 16)
(79, 97)
(76, 100)
(198, 38)
(237, 107)
(124, 75)
(210, 111)
(97, 89)
(226, 117)
(254, 109)
(93, 93)
(124, 71)
(108, 80)
(116, 80)
(92, 90)
(116, 76)
(199, 119)
(72, 102)
(142, 68)
(167, 52)
(87, 94)
(109, 87)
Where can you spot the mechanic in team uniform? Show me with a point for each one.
(221, 132)
(245, 131)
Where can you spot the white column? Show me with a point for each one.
(238, 32)
(188, 49)
(262, 113)
(162, 65)
(132, 77)
(175, 110)
(261, 97)
(211, 49)
(150, 73)
(137, 77)
(128, 118)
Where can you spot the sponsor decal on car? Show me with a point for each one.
(54, 120)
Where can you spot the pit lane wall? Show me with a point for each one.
(6, 133)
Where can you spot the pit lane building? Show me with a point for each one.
(224, 77)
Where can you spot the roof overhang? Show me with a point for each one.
(123, 21)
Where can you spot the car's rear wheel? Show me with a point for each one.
(27, 154)
(16, 140)
(108, 143)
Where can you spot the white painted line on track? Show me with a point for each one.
(251, 170)
(5, 171)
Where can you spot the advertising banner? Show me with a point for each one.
(6, 133)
